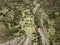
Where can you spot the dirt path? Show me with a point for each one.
(44, 40)
(27, 41)
(13, 42)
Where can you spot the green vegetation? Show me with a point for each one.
(17, 19)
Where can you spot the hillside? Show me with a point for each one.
(33, 22)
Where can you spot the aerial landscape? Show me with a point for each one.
(29, 22)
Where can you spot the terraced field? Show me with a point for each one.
(27, 22)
